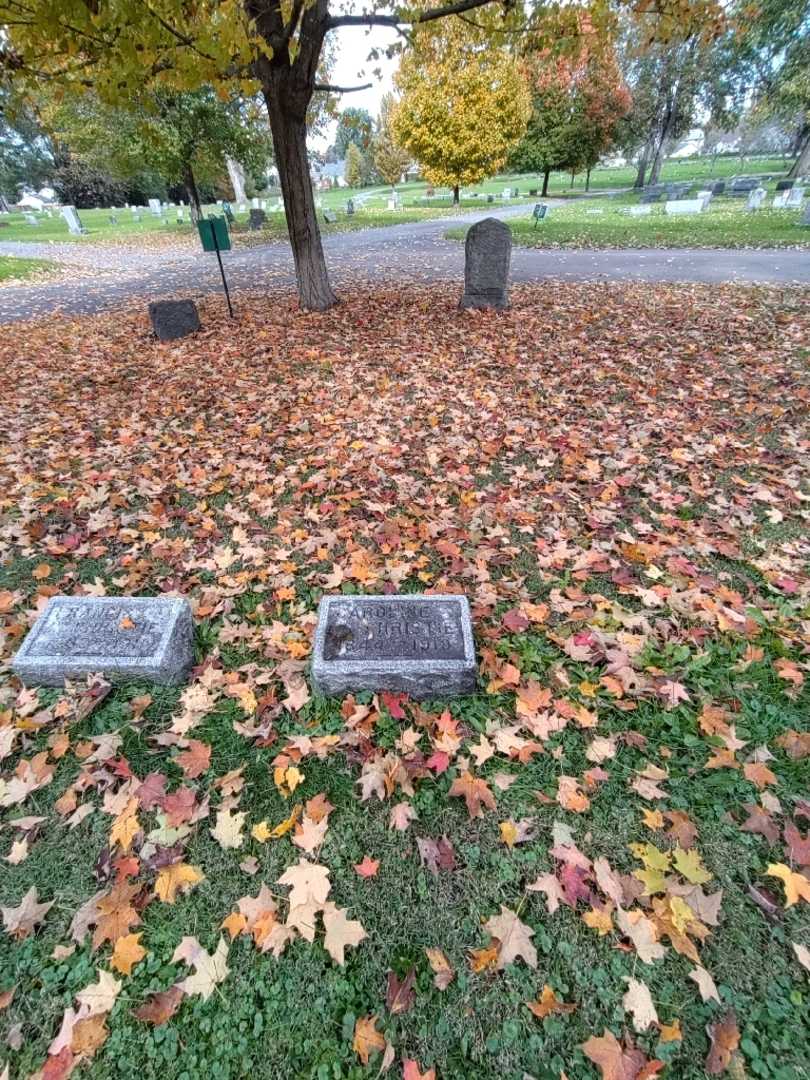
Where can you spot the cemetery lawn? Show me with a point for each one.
(617, 478)
(727, 224)
(13, 269)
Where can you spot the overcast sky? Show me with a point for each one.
(352, 46)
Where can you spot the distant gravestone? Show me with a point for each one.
(490, 197)
(639, 211)
(135, 637)
(329, 217)
(718, 187)
(684, 206)
(755, 198)
(805, 218)
(506, 193)
(173, 319)
(74, 225)
(784, 185)
(350, 207)
(257, 219)
(795, 196)
(113, 219)
(780, 200)
(155, 207)
(532, 191)
(487, 251)
(420, 645)
(706, 195)
(31, 219)
(650, 197)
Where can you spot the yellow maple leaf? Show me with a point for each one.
(600, 919)
(127, 952)
(126, 826)
(180, 877)
(235, 923)
(797, 887)
(689, 864)
(509, 833)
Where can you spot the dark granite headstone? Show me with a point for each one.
(784, 185)
(488, 251)
(174, 318)
(257, 219)
(123, 637)
(422, 645)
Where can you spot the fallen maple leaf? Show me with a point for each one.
(161, 1007)
(705, 984)
(443, 973)
(399, 993)
(228, 828)
(20, 921)
(99, 997)
(638, 1001)
(570, 796)
(367, 1040)
(179, 877)
(618, 1062)
(475, 793)
(340, 932)
(513, 937)
(368, 867)
(128, 951)
(724, 1036)
(797, 886)
(411, 1070)
(548, 1003)
(401, 816)
(210, 969)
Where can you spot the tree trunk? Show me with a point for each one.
(588, 180)
(289, 129)
(802, 163)
(546, 175)
(455, 195)
(642, 167)
(573, 177)
(194, 205)
(236, 173)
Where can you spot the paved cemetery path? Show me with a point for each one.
(95, 278)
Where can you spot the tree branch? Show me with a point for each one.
(395, 21)
(327, 88)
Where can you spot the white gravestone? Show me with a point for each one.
(756, 198)
(255, 204)
(507, 193)
(72, 219)
(706, 196)
(640, 211)
(154, 206)
(795, 196)
(683, 206)
(30, 219)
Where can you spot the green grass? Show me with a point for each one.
(294, 1017)
(371, 203)
(16, 269)
(602, 223)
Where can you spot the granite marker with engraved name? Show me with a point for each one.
(123, 637)
(422, 645)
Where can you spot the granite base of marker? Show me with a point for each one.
(123, 638)
(418, 645)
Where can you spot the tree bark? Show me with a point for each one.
(802, 163)
(642, 167)
(455, 195)
(588, 180)
(237, 177)
(194, 204)
(288, 86)
(546, 175)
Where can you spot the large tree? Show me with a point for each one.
(354, 126)
(185, 137)
(118, 46)
(463, 105)
(390, 158)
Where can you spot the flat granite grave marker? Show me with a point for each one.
(174, 318)
(487, 252)
(422, 645)
(124, 637)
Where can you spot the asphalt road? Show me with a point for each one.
(102, 277)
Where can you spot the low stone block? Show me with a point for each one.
(420, 645)
(257, 219)
(174, 318)
(487, 251)
(124, 637)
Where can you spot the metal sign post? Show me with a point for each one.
(215, 237)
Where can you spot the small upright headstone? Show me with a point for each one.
(639, 211)
(718, 187)
(123, 637)
(31, 219)
(795, 196)
(258, 219)
(74, 225)
(420, 645)
(805, 218)
(684, 206)
(755, 198)
(329, 217)
(113, 219)
(155, 207)
(487, 251)
(490, 197)
(255, 204)
(350, 207)
(784, 185)
(136, 213)
(173, 319)
(780, 200)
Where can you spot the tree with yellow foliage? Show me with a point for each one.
(463, 106)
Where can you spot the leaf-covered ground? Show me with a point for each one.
(597, 865)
